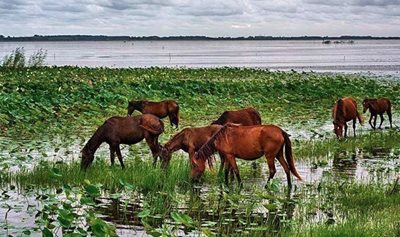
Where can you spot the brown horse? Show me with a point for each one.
(344, 110)
(378, 106)
(189, 139)
(246, 117)
(247, 143)
(160, 109)
(124, 130)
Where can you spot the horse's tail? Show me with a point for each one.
(257, 117)
(155, 130)
(289, 155)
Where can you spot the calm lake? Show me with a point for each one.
(380, 57)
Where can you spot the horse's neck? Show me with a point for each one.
(175, 143)
(339, 113)
(94, 142)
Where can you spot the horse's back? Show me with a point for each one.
(246, 117)
(349, 108)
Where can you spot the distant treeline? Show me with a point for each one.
(127, 38)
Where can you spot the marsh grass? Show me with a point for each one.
(367, 210)
(38, 100)
(137, 172)
(368, 141)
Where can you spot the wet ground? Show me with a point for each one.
(19, 206)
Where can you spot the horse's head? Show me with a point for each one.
(133, 105)
(165, 157)
(366, 105)
(87, 159)
(198, 167)
(338, 129)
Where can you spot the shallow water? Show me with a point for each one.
(380, 57)
(375, 165)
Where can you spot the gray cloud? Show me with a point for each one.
(200, 17)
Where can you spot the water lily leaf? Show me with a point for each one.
(144, 213)
(47, 233)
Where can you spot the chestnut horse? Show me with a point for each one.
(247, 143)
(344, 110)
(378, 106)
(246, 117)
(160, 109)
(124, 130)
(189, 139)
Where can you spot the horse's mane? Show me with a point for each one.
(339, 114)
(208, 149)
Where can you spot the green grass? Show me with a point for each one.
(368, 210)
(38, 100)
(69, 103)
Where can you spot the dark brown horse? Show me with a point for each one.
(124, 130)
(246, 117)
(247, 143)
(345, 110)
(160, 109)
(378, 106)
(189, 139)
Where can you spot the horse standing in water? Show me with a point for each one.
(124, 130)
(344, 110)
(378, 106)
(160, 109)
(247, 143)
(246, 117)
(189, 139)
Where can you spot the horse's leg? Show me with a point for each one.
(223, 159)
(389, 113)
(345, 129)
(173, 119)
(380, 125)
(233, 166)
(285, 166)
(226, 170)
(152, 142)
(354, 126)
(118, 150)
(375, 117)
(370, 121)
(112, 155)
(271, 166)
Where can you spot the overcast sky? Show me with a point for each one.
(200, 17)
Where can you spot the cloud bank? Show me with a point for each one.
(201, 17)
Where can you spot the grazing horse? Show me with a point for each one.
(344, 110)
(378, 106)
(160, 109)
(124, 130)
(189, 139)
(246, 117)
(247, 143)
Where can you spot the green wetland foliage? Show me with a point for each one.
(52, 104)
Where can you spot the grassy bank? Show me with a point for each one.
(37, 100)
